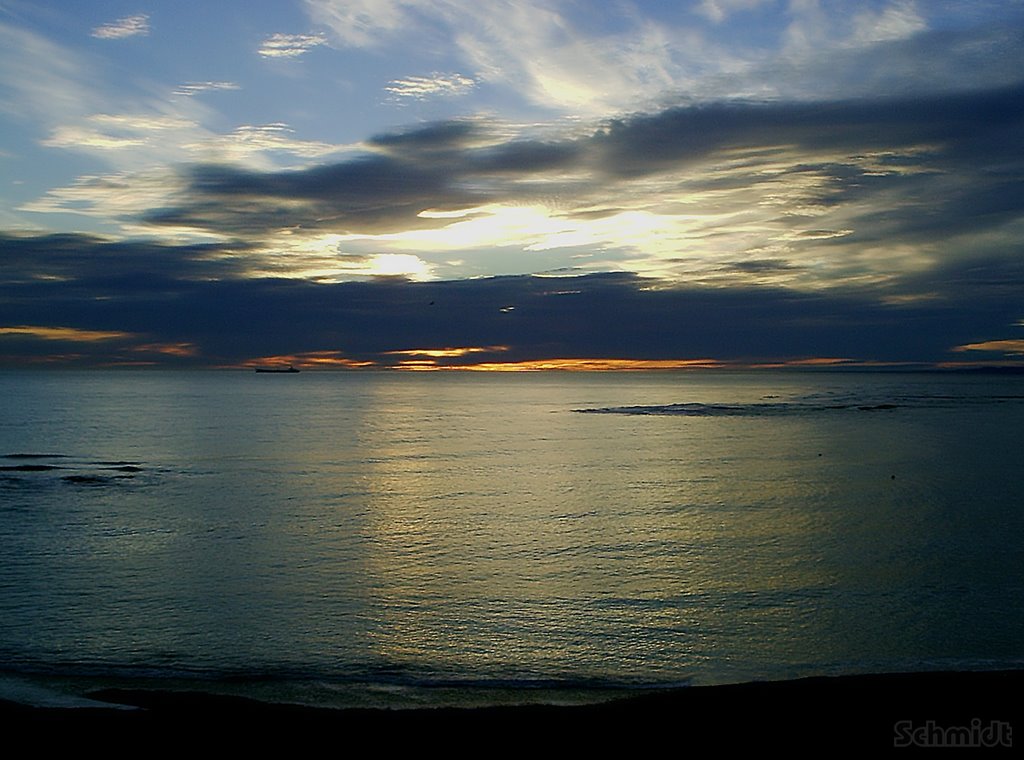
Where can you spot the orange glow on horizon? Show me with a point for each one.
(577, 365)
(168, 349)
(432, 361)
(444, 353)
(309, 360)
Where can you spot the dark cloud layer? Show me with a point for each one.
(86, 261)
(233, 319)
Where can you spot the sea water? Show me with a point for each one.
(474, 538)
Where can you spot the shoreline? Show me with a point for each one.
(873, 712)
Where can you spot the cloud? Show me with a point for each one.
(615, 60)
(446, 353)
(361, 22)
(129, 26)
(180, 349)
(74, 260)
(73, 334)
(815, 26)
(84, 137)
(41, 80)
(535, 49)
(200, 305)
(61, 96)
(365, 194)
(1013, 346)
(437, 139)
(114, 131)
(194, 88)
(133, 140)
(141, 122)
(719, 10)
(156, 143)
(564, 364)
(899, 21)
(247, 140)
(828, 194)
(290, 45)
(120, 197)
(862, 192)
(309, 360)
(419, 88)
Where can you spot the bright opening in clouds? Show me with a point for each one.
(716, 182)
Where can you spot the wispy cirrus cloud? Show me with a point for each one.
(249, 139)
(81, 137)
(898, 21)
(544, 53)
(61, 93)
(531, 47)
(141, 122)
(129, 26)
(290, 45)
(114, 131)
(42, 80)
(719, 10)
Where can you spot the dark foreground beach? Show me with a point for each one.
(899, 712)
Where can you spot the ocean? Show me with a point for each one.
(421, 539)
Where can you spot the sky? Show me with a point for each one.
(499, 184)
